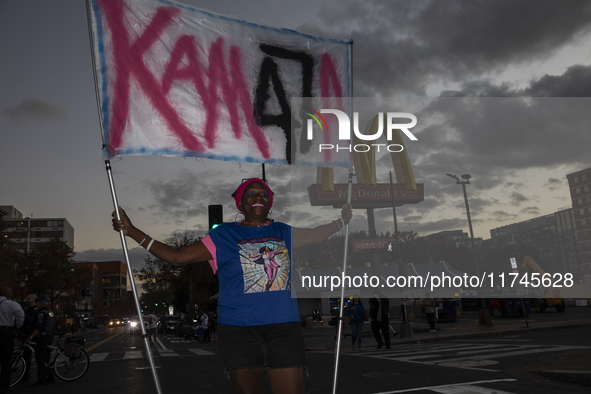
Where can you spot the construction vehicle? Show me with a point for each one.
(551, 297)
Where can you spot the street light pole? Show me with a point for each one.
(405, 328)
(484, 318)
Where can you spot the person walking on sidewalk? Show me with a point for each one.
(11, 318)
(316, 316)
(43, 335)
(152, 326)
(429, 310)
(380, 319)
(164, 325)
(26, 330)
(356, 311)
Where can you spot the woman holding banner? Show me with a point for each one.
(259, 329)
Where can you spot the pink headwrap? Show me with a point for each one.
(238, 193)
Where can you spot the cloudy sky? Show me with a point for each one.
(472, 61)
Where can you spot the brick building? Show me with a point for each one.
(579, 184)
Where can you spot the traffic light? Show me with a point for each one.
(216, 216)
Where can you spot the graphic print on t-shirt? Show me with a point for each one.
(265, 264)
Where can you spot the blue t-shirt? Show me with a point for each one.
(254, 270)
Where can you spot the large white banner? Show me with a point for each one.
(178, 81)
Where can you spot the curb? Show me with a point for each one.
(332, 346)
(578, 377)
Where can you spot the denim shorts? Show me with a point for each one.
(267, 346)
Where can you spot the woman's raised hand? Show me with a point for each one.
(123, 224)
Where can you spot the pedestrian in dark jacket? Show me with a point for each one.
(380, 319)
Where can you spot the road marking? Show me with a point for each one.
(96, 357)
(201, 352)
(101, 342)
(467, 387)
(510, 354)
(133, 354)
(163, 349)
(446, 355)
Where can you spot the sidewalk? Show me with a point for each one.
(573, 366)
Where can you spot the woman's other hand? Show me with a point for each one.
(346, 213)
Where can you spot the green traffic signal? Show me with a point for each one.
(216, 216)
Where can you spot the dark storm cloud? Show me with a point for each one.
(402, 46)
(426, 228)
(182, 199)
(38, 110)
(136, 256)
(495, 139)
(517, 198)
(574, 82)
(502, 216)
(554, 184)
(514, 184)
(531, 211)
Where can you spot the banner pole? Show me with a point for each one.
(341, 317)
(96, 91)
(116, 205)
(131, 279)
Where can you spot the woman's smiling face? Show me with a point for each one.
(255, 202)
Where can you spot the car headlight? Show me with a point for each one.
(133, 324)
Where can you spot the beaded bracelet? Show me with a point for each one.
(146, 237)
(338, 224)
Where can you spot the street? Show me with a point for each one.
(501, 364)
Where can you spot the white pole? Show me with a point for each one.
(340, 320)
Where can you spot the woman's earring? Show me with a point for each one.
(236, 218)
(270, 216)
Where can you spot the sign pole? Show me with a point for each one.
(515, 269)
(405, 329)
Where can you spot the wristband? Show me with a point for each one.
(338, 224)
(150, 245)
(144, 240)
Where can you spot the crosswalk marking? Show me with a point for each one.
(468, 388)
(137, 354)
(451, 354)
(133, 354)
(457, 388)
(96, 357)
(201, 352)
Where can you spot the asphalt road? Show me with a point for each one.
(499, 364)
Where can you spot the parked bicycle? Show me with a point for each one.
(69, 362)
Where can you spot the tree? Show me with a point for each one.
(164, 284)
(50, 270)
(11, 261)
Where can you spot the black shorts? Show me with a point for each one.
(267, 346)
